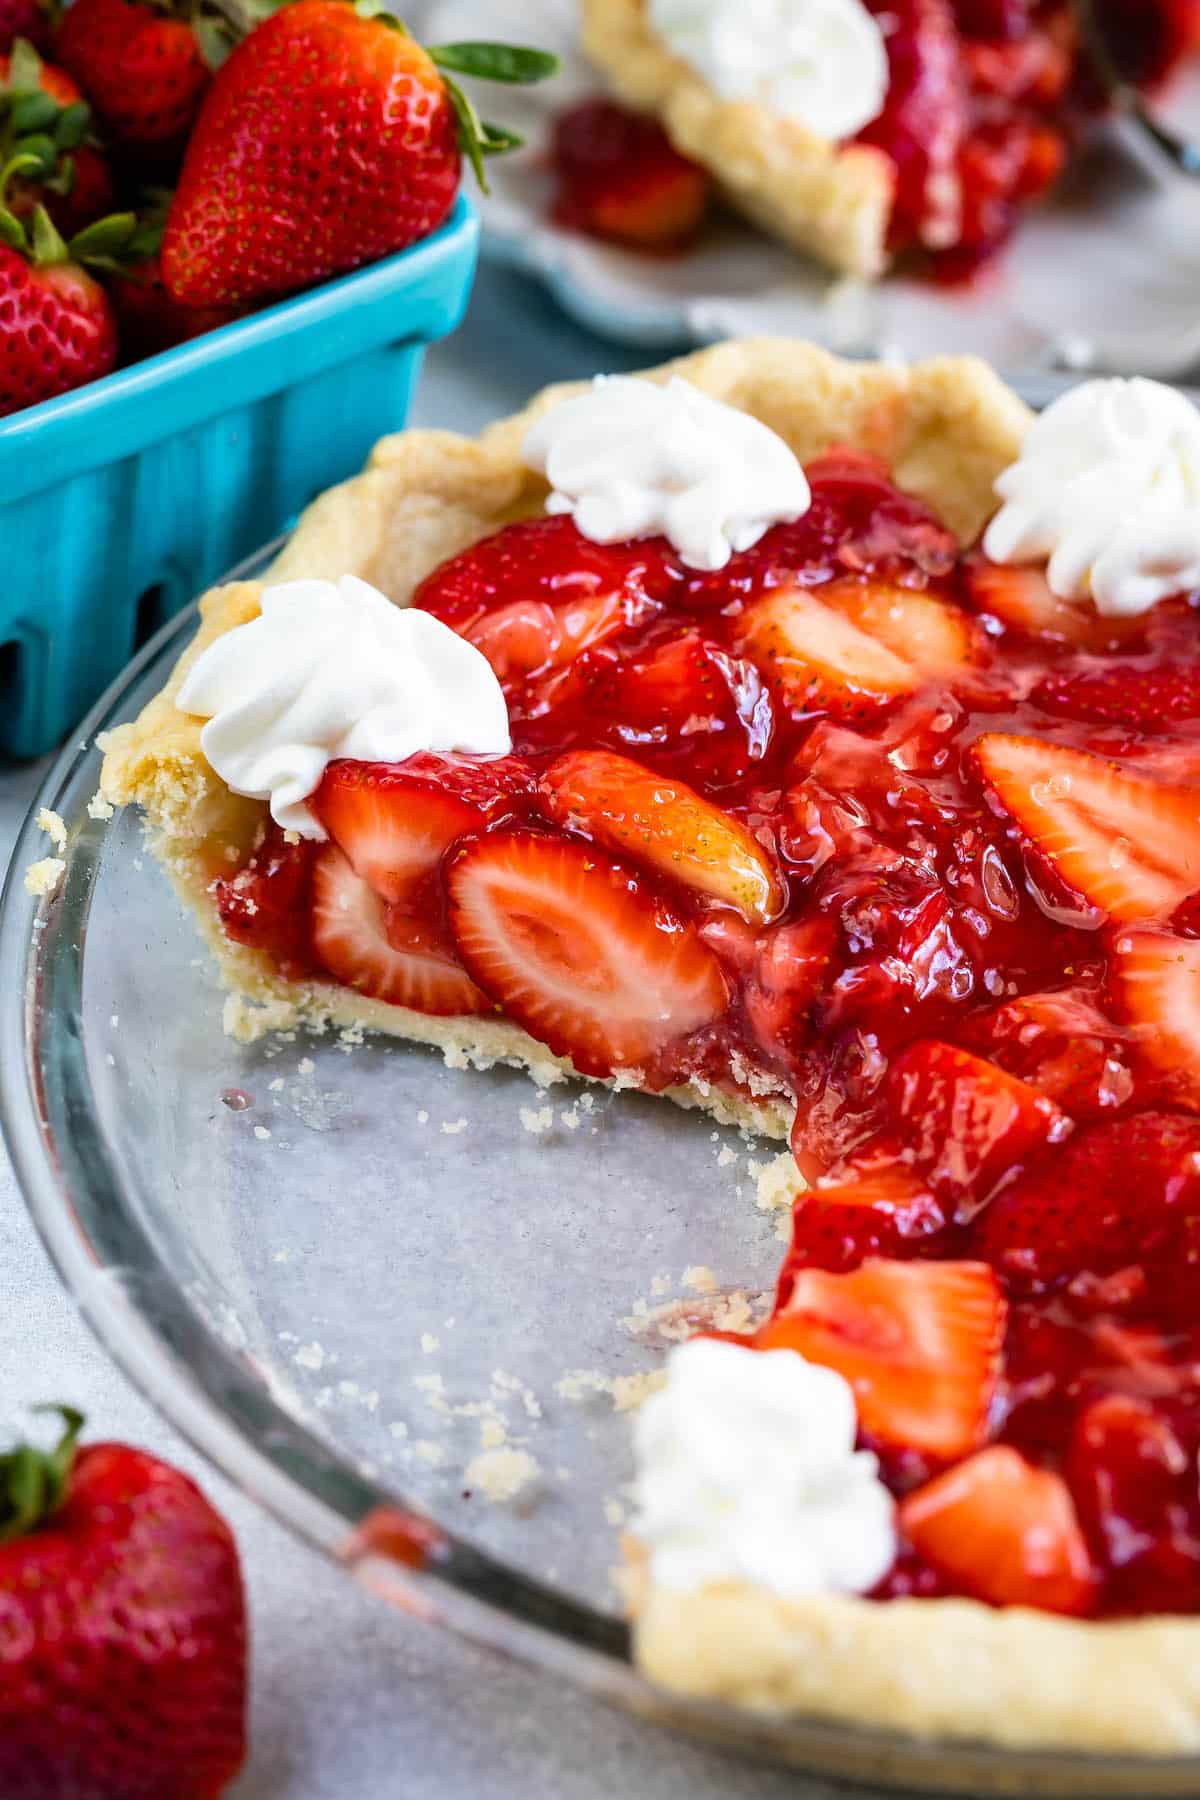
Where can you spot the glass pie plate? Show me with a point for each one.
(377, 1290)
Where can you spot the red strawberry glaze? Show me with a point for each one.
(976, 850)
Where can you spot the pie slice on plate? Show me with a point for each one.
(712, 746)
(860, 129)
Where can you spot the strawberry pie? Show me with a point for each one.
(855, 130)
(817, 744)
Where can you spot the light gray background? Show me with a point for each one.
(350, 1700)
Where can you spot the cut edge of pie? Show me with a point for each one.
(833, 201)
(948, 1668)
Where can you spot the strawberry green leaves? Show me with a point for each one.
(32, 1481)
(512, 64)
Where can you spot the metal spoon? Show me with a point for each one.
(1183, 153)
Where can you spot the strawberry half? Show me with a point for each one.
(579, 952)
(816, 660)
(1125, 844)
(966, 1123)
(1004, 1532)
(395, 821)
(1146, 700)
(666, 825)
(1124, 1192)
(918, 1342)
(383, 951)
(1023, 600)
(918, 627)
(1156, 981)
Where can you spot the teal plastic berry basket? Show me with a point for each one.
(123, 500)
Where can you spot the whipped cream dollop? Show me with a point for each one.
(747, 1471)
(821, 62)
(329, 669)
(632, 458)
(1106, 491)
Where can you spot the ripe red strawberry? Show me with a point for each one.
(57, 328)
(1141, 699)
(966, 1123)
(1004, 1532)
(785, 970)
(619, 177)
(383, 951)
(395, 821)
(44, 125)
(327, 140)
(1124, 1192)
(666, 826)
(918, 1342)
(140, 64)
(125, 1629)
(1125, 844)
(873, 1205)
(1156, 982)
(814, 659)
(573, 947)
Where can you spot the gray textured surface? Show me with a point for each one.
(350, 1701)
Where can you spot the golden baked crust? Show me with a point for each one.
(831, 200)
(932, 1668)
(941, 1668)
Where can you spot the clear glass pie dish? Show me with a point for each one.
(398, 1302)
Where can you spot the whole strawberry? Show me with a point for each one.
(46, 150)
(57, 328)
(327, 140)
(124, 1658)
(148, 319)
(141, 65)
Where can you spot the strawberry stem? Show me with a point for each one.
(33, 1482)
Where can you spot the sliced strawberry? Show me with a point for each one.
(1063, 1045)
(395, 821)
(1004, 1532)
(544, 560)
(1141, 699)
(1126, 1191)
(1134, 1484)
(665, 825)
(382, 951)
(874, 1204)
(687, 697)
(918, 1342)
(620, 178)
(966, 1122)
(918, 627)
(529, 639)
(783, 976)
(1156, 982)
(1125, 844)
(816, 660)
(579, 952)
(1023, 600)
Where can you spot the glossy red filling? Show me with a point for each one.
(919, 842)
(984, 100)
